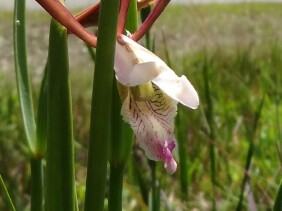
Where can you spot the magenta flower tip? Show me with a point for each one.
(165, 154)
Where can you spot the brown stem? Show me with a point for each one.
(89, 16)
(152, 17)
(122, 16)
(63, 16)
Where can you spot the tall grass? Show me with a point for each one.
(237, 53)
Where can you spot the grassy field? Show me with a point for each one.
(232, 54)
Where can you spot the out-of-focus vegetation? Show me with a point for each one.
(235, 50)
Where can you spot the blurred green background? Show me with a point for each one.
(231, 53)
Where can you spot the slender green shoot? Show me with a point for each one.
(251, 137)
(91, 52)
(36, 146)
(210, 121)
(183, 166)
(6, 193)
(22, 73)
(154, 196)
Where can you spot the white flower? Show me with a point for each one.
(152, 120)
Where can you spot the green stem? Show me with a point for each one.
(144, 14)
(36, 184)
(91, 52)
(210, 120)
(122, 134)
(41, 132)
(122, 138)
(278, 201)
(142, 183)
(251, 136)
(101, 107)
(154, 201)
(183, 170)
(7, 195)
(60, 186)
(115, 189)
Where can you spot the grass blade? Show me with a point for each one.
(41, 132)
(26, 104)
(100, 122)
(278, 201)
(22, 73)
(91, 52)
(210, 121)
(60, 186)
(183, 170)
(6, 193)
(251, 136)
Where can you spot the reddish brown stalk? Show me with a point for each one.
(155, 13)
(89, 16)
(124, 4)
(63, 16)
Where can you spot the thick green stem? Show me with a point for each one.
(115, 191)
(278, 201)
(122, 134)
(36, 184)
(60, 186)
(101, 107)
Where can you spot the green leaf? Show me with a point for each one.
(41, 133)
(22, 74)
(100, 123)
(278, 201)
(6, 193)
(60, 185)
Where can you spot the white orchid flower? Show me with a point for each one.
(152, 120)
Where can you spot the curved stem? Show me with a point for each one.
(122, 16)
(89, 16)
(156, 12)
(57, 10)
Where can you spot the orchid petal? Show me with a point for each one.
(135, 64)
(178, 88)
(153, 124)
